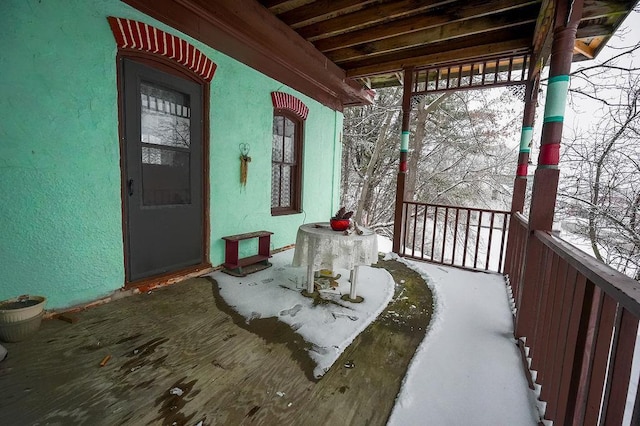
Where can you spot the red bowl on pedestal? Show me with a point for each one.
(339, 224)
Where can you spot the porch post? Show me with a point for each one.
(545, 183)
(404, 151)
(526, 140)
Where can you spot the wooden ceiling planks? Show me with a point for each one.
(446, 32)
(368, 38)
(436, 17)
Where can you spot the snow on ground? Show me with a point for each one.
(468, 369)
(330, 328)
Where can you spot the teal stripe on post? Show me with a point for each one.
(404, 142)
(526, 137)
(556, 98)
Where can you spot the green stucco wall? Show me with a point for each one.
(60, 204)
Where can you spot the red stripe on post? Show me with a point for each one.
(549, 154)
(522, 170)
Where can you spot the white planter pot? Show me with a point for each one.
(20, 317)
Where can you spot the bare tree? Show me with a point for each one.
(601, 184)
(457, 153)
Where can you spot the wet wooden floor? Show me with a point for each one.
(181, 356)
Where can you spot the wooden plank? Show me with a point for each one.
(376, 14)
(618, 286)
(431, 19)
(604, 332)
(578, 306)
(240, 237)
(318, 11)
(229, 372)
(444, 32)
(541, 342)
(557, 348)
(440, 53)
(620, 371)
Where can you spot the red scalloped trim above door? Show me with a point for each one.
(131, 34)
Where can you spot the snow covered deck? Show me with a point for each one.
(190, 355)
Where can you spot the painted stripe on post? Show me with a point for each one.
(556, 98)
(549, 154)
(526, 138)
(522, 170)
(404, 142)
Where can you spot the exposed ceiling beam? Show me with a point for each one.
(322, 10)
(448, 32)
(281, 6)
(443, 54)
(438, 16)
(372, 15)
(593, 9)
(594, 31)
(584, 49)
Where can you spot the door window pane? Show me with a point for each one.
(165, 177)
(165, 116)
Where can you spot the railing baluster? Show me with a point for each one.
(604, 333)
(424, 230)
(444, 233)
(505, 219)
(455, 238)
(479, 228)
(433, 237)
(404, 233)
(620, 367)
(489, 244)
(415, 229)
(466, 240)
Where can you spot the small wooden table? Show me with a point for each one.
(320, 247)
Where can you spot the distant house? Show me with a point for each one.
(121, 140)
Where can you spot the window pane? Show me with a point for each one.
(288, 150)
(286, 187)
(278, 132)
(165, 116)
(289, 128)
(275, 185)
(289, 140)
(165, 177)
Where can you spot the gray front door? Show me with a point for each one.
(163, 171)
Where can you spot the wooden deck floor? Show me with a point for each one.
(228, 372)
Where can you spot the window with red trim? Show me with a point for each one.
(286, 163)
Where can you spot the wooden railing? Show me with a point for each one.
(456, 236)
(577, 321)
(576, 318)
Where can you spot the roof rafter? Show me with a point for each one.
(450, 31)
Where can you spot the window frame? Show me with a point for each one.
(296, 181)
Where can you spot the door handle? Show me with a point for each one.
(130, 185)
